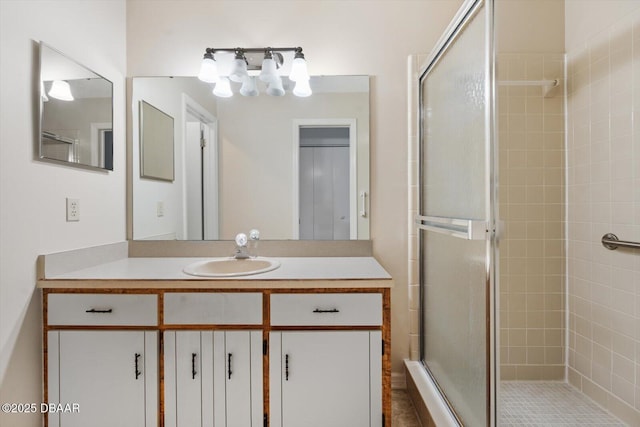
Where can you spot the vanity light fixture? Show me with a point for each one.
(246, 69)
(61, 90)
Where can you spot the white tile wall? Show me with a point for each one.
(603, 149)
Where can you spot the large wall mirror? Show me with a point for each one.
(294, 168)
(76, 113)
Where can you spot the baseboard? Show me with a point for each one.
(398, 380)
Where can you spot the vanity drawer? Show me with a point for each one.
(102, 310)
(223, 308)
(326, 309)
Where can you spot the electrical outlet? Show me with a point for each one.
(73, 209)
(160, 209)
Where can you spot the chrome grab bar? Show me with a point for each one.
(463, 228)
(611, 241)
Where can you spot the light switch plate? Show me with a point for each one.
(73, 209)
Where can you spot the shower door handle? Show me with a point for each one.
(468, 229)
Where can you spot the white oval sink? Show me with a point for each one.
(230, 267)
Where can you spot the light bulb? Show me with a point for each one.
(223, 88)
(275, 87)
(61, 90)
(238, 70)
(249, 87)
(208, 70)
(302, 88)
(269, 71)
(299, 70)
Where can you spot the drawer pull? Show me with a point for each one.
(137, 367)
(229, 356)
(333, 310)
(93, 310)
(286, 367)
(193, 366)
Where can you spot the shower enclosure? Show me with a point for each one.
(457, 215)
(507, 334)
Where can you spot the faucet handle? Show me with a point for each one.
(241, 240)
(254, 234)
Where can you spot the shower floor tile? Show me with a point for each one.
(549, 404)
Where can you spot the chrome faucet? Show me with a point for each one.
(242, 250)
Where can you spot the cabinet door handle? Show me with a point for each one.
(332, 310)
(137, 365)
(229, 371)
(286, 367)
(193, 366)
(101, 311)
(363, 197)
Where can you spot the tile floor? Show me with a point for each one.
(531, 404)
(549, 404)
(402, 412)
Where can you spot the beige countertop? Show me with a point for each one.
(163, 273)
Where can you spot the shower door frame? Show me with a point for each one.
(470, 10)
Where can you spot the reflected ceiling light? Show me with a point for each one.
(275, 87)
(43, 92)
(223, 88)
(61, 90)
(244, 66)
(249, 87)
(302, 88)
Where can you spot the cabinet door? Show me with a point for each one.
(238, 356)
(110, 375)
(188, 378)
(213, 379)
(326, 378)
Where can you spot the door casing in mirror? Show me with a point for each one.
(256, 160)
(77, 132)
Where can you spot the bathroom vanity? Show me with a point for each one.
(137, 342)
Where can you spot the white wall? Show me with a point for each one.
(338, 37)
(32, 193)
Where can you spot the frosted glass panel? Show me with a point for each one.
(454, 326)
(453, 118)
(455, 184)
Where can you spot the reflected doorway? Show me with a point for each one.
(201, 177)
(326, 180)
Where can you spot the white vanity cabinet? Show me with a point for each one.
(327, 373)
(109, 375)
(218, 354)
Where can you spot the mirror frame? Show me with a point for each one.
(39, 155)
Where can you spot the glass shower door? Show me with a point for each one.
(456, 215)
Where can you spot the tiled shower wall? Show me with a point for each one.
(604, 196)
(531, 203)
(413, 68)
